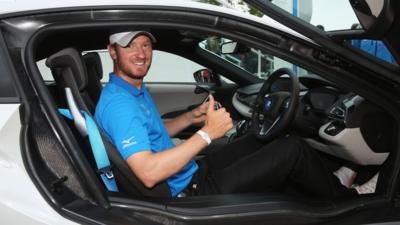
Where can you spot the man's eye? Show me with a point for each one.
(134, 47)
(146, 46)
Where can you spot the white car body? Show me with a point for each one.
(20, 6)
(20, 200)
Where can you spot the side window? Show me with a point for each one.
(249, 59)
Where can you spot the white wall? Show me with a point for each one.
(165, 67)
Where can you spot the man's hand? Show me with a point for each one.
(198, 114)
(217, 122)
(152, 168)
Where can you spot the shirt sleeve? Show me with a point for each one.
(123, 120)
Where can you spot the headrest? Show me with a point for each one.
(69, 59)
(93, 62)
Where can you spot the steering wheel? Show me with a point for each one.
(273, 112)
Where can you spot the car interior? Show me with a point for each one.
(331, 119)
(334, 115)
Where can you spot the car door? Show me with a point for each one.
(20, 200)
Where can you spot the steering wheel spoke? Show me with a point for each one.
(267, 125)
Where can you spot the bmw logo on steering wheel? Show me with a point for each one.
(267, 105)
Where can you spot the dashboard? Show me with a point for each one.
(332, 120)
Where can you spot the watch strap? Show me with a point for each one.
(205, 136)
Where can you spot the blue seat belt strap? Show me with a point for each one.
(98, 149)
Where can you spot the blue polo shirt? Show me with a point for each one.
(131, 121)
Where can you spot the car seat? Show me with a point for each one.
(95, 74)
(69, 71)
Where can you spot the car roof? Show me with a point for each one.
(11, 6)
(8, 8)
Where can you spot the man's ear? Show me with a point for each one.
(112, 51)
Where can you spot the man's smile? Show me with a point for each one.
(142, 63)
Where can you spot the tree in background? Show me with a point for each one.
(252, 10)
(255, 11)
(212, 2)
(233, 3)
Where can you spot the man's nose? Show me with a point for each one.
(140, 53)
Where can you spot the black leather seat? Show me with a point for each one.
(69, 70)
(95, 74)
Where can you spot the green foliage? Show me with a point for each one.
(212, 2)
(255, 11)
(252, 10)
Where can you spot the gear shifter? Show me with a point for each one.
(216, 104)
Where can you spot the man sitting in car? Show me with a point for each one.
(128, 115)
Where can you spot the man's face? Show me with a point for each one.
(134, 60)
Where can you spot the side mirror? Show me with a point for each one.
(233, 47)
(204, 76)
(229, 47)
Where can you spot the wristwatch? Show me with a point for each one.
(205, 136)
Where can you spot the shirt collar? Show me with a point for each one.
(114, 79)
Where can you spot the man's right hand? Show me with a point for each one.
(218, 122)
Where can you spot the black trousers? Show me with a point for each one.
(247, 166)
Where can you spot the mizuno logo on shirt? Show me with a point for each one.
(145, 109)
(128, 142)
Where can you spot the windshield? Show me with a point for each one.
(254, 61)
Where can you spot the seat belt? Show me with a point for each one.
(98, 149)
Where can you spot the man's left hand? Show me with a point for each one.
(198, 114)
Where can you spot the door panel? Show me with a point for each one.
(174, 97)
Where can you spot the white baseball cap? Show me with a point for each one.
(124, 38)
